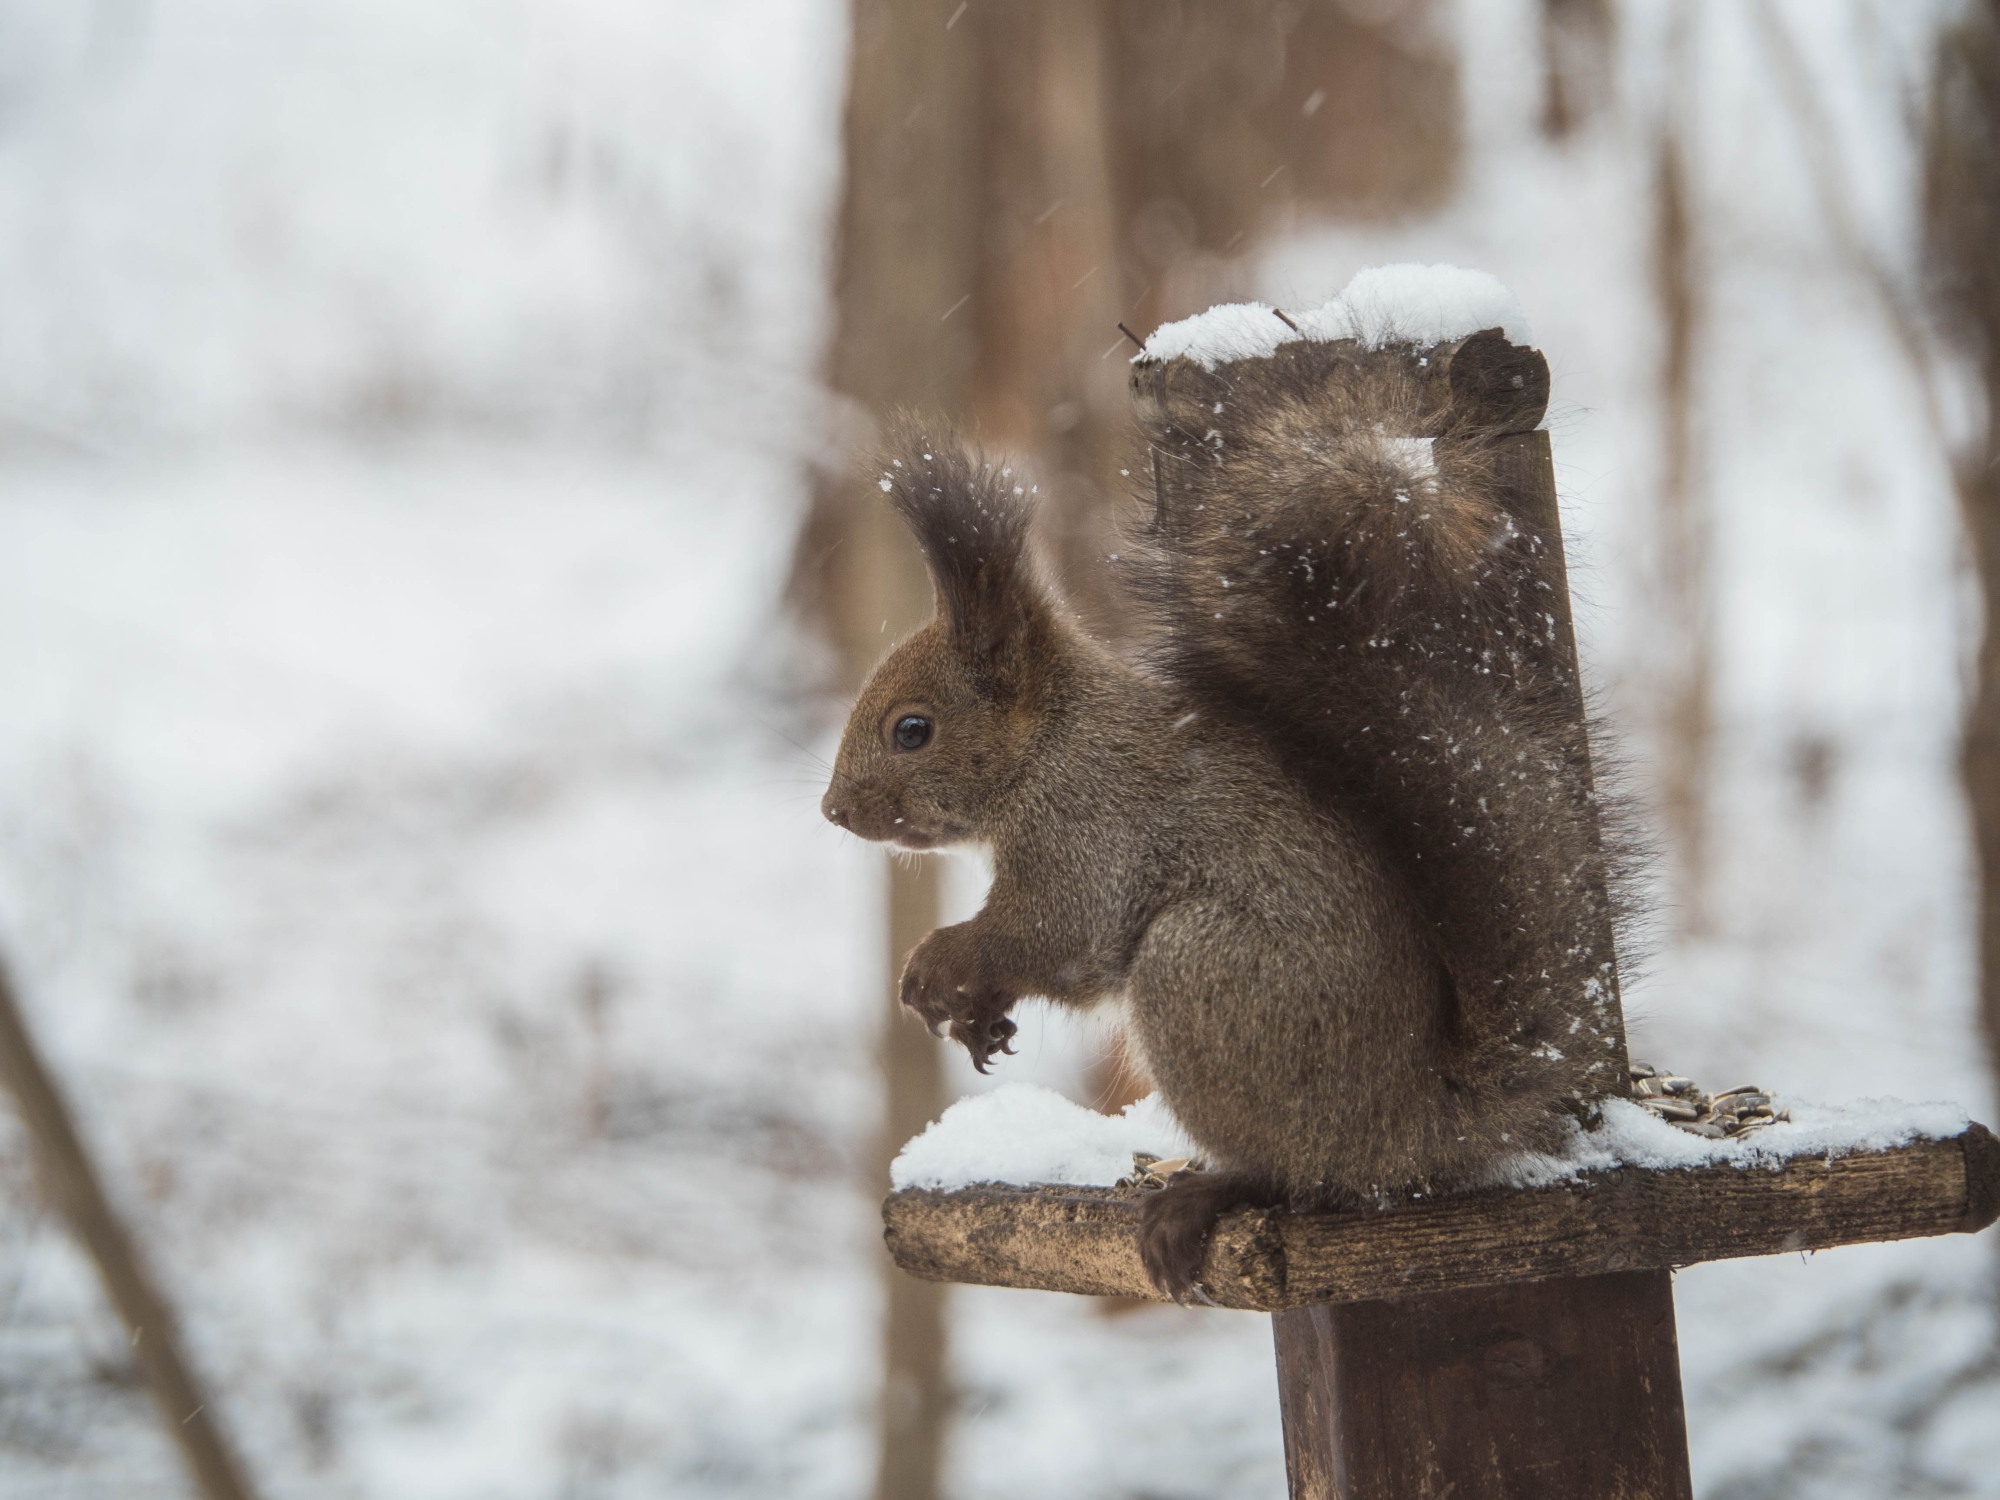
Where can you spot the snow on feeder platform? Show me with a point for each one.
(1019, 1188)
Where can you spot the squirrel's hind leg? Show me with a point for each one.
(1175, 1222)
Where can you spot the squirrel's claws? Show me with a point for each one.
(1000, 1036)
(976, 1047)
(949, 990)
(983, 1043)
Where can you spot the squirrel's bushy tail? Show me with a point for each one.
(1330, 554)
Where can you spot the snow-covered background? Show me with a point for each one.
(409, 863)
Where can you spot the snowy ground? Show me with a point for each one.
(406, 857)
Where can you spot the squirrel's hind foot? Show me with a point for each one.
(1175, 1223)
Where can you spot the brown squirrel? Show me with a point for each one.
(1332, 838)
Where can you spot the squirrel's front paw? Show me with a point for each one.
(945, 985)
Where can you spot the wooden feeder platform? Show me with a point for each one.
(1085, 1239)
(1495, 1345)
(1510, 1344)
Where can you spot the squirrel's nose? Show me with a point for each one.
(834, 815)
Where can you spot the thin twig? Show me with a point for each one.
(70, 1178)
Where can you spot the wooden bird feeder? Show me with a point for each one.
(1512, 1342)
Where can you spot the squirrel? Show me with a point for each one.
(1330, 835)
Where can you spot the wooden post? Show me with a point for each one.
(1565, 1389)
(1544, 1390)
(69, 1178)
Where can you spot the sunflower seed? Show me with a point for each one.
(1671, 1109)
(1703, 1128)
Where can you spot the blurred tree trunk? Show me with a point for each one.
(1134, 153)
(1050, 387)
(1687, 711)
(1579, 45)
(906, 264)
(1234, 120)
(1962, 222)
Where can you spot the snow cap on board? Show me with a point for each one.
(1383, 305)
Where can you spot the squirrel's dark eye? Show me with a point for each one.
(912, 732)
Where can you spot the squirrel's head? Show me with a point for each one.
(943, 728)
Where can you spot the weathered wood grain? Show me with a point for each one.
(1083, 1239)
(1543, 1389)
(1486, 382)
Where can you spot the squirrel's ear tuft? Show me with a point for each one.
(973, 531)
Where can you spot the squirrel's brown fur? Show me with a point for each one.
(1333, 840)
